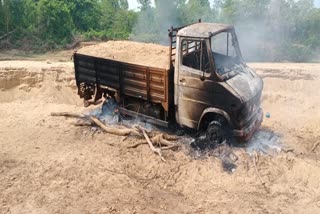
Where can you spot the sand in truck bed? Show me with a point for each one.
(146, 54)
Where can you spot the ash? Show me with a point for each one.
(108, 113)
(199, 148)
(264, 142)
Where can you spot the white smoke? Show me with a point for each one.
(265, 28)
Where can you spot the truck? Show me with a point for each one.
(207, 85)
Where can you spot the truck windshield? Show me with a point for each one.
(224, 51)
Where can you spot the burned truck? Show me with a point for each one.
(206, 86)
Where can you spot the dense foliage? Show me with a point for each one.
(268, 30)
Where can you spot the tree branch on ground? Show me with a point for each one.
(156, 140)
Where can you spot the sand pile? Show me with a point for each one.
(50, 82)
(151, 55)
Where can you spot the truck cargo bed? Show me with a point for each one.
(147, 83)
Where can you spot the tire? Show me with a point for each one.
(216, 133)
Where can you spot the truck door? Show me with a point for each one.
(194, 70)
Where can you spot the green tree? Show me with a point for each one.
(123, 24)
(109, 8)
(31, 15)
(85, 14)
(2, 18)
(145, 4)
(55, 21)
(124, 4)
(196, 9)
(5, 15)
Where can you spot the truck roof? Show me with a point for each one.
(203, 30)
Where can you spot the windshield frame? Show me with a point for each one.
(236, 47)
(234, 41)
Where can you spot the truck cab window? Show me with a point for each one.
(195, 55)
(223, 44)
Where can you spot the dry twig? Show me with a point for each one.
(136, 145)
(159, 139)
(255, 160)
(170, 147)
(157, 143)
(155, 150)
(315, 146)
(115, 131)
(68, 114)
(83, 123)
(170, 137)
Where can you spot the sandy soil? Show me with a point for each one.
(50, 166)
(147, 54)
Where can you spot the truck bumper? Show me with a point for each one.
(246, 133)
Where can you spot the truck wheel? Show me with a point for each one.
(216, 133)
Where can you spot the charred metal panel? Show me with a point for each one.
(203, 30)
(107, 73)
(150, 84)
(144, 117)
(196, 96)
(146, 83)
(158, 85)
(246, 85)
(134, 80)
(85, 70)
(173, 39)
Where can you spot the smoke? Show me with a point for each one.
(268, 30)
(264, 142)
(108, 113)
(275, 30)
(153, 23)
(263, 33)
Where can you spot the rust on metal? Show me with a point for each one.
(204, 30)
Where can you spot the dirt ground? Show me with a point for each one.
(48, 165)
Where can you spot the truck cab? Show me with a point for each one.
(214, 90)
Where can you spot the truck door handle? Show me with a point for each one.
(183, 81)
